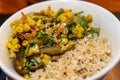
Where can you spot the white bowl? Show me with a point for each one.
(109, 24)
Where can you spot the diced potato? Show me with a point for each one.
(19, 29)
(64, 41)
(62, 18)
(26, 76)
(15, 41)
(17, 46)
(90, 25)
(39, 22)
(89, 18)
(13, 34)
(25, 43)
(12, 54)
(15, 49)
(10, 39)
(30, 21)
(80, 35)
(68, 46)
(49, 12)
(49, 30)
(26, 27)
(9, 45)
(69, 15)
(78, 30)
(46, 59)
(33, 50)
(13, 27)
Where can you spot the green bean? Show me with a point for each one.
(53, 50)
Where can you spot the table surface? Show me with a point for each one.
(114, 74)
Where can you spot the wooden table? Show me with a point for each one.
(114, 74)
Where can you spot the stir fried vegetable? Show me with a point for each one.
(40, 37)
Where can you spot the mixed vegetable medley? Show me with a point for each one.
(40, 37)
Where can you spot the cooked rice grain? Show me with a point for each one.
(89, 56)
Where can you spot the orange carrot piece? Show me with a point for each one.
(60, 29)
(24, 17)
(31, 35)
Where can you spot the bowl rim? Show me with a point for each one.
(96, 76)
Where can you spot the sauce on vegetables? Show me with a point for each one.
(42, 36)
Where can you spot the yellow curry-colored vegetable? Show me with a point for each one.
(39, 37)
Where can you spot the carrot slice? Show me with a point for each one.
(60, 29)
(24, 17)
(30, 35)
